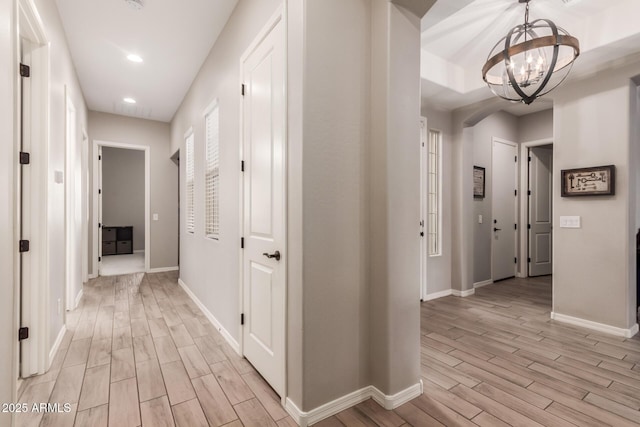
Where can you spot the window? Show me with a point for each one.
(190, 216)
(212, 174)
(434, 178)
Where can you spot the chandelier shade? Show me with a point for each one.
(530, 61)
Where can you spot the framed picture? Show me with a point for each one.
(594, 181)
(478, 182)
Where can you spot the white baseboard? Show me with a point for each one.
(232, 342)
(56, 345)
(78, 298)
(138, 251)
(162, 269)
(483, 283)
(305, 419)
(437, 295)
(92, 276)
(600, 327)
(466, 293)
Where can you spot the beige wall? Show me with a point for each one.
(7, 243)
(123, 191)
(163, 248)
(535, 126)
(594, 266)
(499, 125)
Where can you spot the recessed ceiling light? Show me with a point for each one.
(134, 58)
(129, 100)
(134, 4)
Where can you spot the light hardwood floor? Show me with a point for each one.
(139, 352)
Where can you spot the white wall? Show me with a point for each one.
(8, 249)
(439, 267)
(535, 126)
(163, 248)
(504, 126)
(594, 266)
(123, 191)
(64, 82)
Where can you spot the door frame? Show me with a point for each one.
(71, 140)
(523, 267)
(515, 201)
(424, 212)
(39, 354)
(86, 194)
(280, 16)
(97, 184)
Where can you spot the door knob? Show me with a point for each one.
(496, 229)
(275, 255)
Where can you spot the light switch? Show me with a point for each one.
(479, 219)
(58, 177)
(155, 217)
(570, 222)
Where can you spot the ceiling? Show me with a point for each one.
(172, 37)
(457, 36)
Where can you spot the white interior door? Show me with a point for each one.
(540, 210)
(264, 255)
(423, 207)
(504, 185)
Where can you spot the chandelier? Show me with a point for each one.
(531, 60)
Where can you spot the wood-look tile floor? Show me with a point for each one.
(139, 352)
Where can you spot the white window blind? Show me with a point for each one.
(212, 175)
(190, 214)
(434, 179)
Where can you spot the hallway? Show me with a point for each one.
(139, 352)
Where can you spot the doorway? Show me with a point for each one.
(540, 210)
(122, 218)
(504, 184)
(263, 186)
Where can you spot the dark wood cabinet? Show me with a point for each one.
(117, 240)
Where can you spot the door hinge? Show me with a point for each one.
(529, 158)
(529, 259)
(99, 190)
(516, 159)
(515, 193)
(25, 70)
(99, 225)
(99, 157)
(529, 192)
(25, 158)
(242, 318)
(242, 89)
(515, 260)
(529, 226)
(24, 246)
(241, 165)
(242, 243)
(515, 226)
(23, 333)
(99, 258)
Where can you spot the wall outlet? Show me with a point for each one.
(59, 306)
(479, 219)
(155, 217)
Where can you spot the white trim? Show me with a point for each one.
(468, 292)
(162, 269)
(93, 276)
(232, 342)
(56, 345)
(138, 251)
(78, 298)
(147, 197)
(329, 409)
(424, 250)
(437, 295)
(483, 283)
(600, 327)
(523, 264)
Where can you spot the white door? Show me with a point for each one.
(504, 185)
(423, 207)
(540, 210)
(264, 255)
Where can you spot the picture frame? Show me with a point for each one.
(592, 181)
(478, 182)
